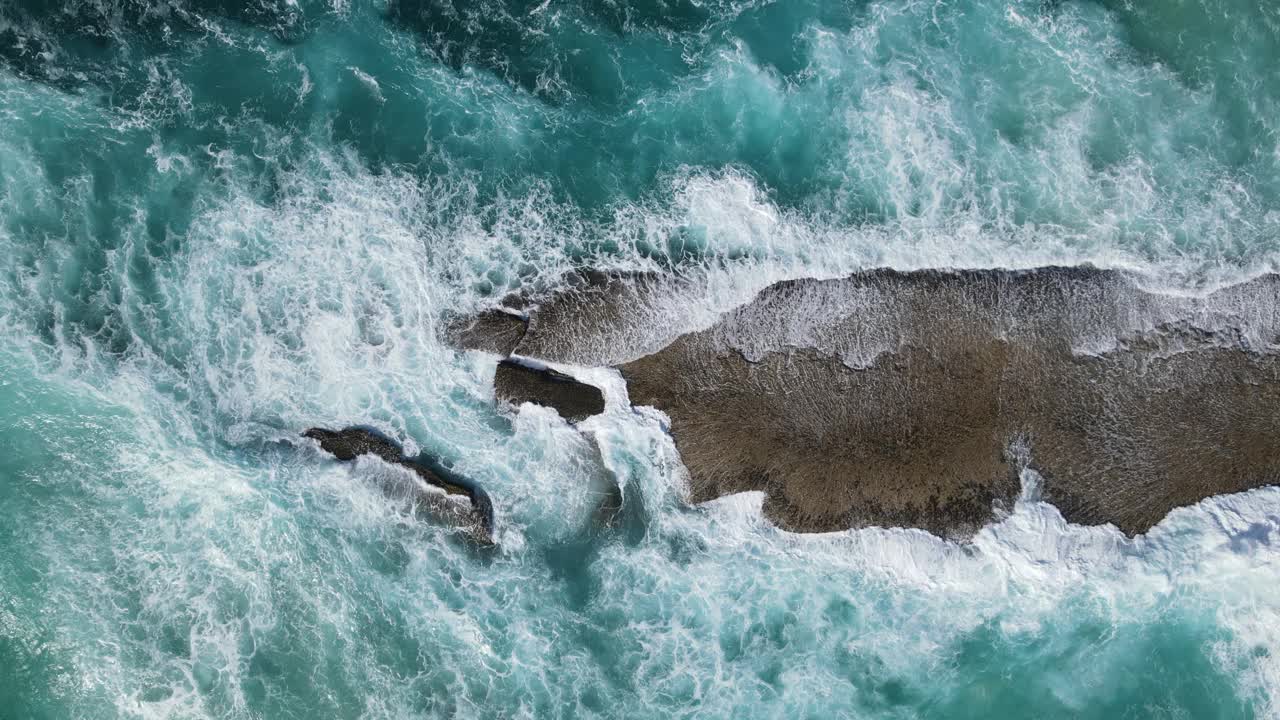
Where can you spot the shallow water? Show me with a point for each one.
(221, 223)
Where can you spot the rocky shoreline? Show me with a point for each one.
(916, 399)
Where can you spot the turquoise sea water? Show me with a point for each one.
(222, 222)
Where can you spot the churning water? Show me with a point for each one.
(222, 222)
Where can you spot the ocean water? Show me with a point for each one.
(222, 222)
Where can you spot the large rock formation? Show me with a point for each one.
(915, 398)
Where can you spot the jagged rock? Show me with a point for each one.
(496, 331)
(518, 383)
(602, 318)
(352, 442)
(915, 398)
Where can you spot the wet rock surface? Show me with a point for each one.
(594, 318)
(496, 331)
(516, 383)
(916, 398)
(353, 442)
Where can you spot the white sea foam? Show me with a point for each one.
(324, 310)
(208, 559)
(1029, 569)
(370, 83)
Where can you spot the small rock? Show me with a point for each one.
(517, 383)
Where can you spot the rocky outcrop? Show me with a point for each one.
(599, 318)
(916, 398)
(517, 382)
(352, 442)
(496, 331)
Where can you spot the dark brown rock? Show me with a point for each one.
(352, 442)
(496, 331)
(518, 383)
(600, 319)
(915, 398)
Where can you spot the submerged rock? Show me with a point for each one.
(352, 442)
(917, 398)
(518, 383)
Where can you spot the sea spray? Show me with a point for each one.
(214, 233)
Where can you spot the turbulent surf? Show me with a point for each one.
(225, 223)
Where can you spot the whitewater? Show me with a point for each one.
(224, 222)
